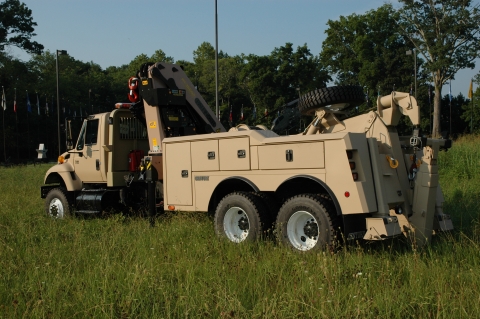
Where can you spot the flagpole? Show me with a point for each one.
(430, 104)
(3, 120)
(46, 120)
(39, 120)
(471, 115)
(28, 127)
(216, 61)
(4, 148)
(450, 93)
(16, 122)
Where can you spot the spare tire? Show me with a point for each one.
(345, 96)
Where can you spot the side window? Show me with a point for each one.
(92, 132)
(88, 134)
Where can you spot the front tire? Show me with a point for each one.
(239, 217)
(57, 204)
(307, 222)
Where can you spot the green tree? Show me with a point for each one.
(367, 50)
(17, 27)
(272, 81)
(446, 34)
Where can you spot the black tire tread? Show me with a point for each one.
(64, 192)
(334, 221)
(259, 210)
(330, 95)
(271, 209)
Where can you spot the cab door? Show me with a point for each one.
(87, 156)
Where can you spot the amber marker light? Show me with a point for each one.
(61, 159)
(171, 207)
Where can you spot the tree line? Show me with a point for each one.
(367, 49)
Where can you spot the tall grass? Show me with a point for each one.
(120, 267)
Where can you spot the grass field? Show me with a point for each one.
(120, 267)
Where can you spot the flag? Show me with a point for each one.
(450, 92)
(266, 112)
(429, 94)
(254, 111)
(470, 90)
(230, 117)
(366, 97)
(29, 106)
(15, 102)
(4, 102)
(46, 107)
(241, 113)
(411, 90)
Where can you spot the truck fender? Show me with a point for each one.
(229, 185)
(285, 188)
(63, 174)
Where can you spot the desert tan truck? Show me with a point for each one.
(342, 177)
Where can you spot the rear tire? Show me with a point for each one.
(57, 204)
(271, 210)
(239, 217)
(305, 223)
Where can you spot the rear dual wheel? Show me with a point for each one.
(307, 222)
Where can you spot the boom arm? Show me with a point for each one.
(163, 86)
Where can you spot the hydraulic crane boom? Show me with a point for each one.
(172, 105)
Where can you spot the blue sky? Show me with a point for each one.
(114, 32)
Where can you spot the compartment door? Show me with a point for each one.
(178, 172)
(234, 154)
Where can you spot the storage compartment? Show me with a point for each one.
(291, 156)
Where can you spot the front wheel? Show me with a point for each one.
(307, 222)
(56, 203)
(238, 217)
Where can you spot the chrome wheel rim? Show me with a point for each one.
(302, 230)
(56, 208)
(236, 224)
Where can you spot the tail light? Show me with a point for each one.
(352, 164)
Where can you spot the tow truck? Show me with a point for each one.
(342, 177)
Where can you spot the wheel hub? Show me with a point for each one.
(243, 223)
(303, 230)
(56, 208)
(236, 224)
(311, 229)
